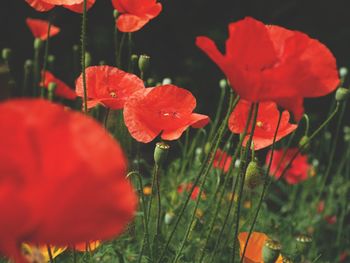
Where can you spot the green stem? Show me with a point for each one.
(119, 54)
(307, 124)
(218, 113)
(116, 52)
(36, 71)
(50, 254)
(46, 54)
(83, 52)
(243, 164)
(266, 183)
(159, 211)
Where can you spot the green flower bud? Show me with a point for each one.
(144, 63)
(87, 59)
(28, 65)
(343, 71)
(38, 43)
(115, 13)
(166, 81)
(303, 243)
(51, 90)
(271, 251)
(223, 84)
(207, 148)
(168, 218)
(342, 94)
(304, 143)
(6, 54)
(51, 62)
(253, 175)
(150, 82)
(160, 153)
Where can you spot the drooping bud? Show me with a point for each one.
(303, 243)
(342, 94)
(144, 63)
(271, 251)
(38, 43)
(168, 218)
(6, 54)
(253, 174)
(160, 153)
(51, 90)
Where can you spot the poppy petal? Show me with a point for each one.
(39, 28)
(79, 8)
(130, 23)
(199, 120)
(40, 6)
(208, 46)
(62, 89)
(254, 247)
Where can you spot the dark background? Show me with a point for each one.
(169, 38)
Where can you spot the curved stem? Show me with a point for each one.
(307, 124)
(266, 181)
(83, 51)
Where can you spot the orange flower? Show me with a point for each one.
(40, 28)
(253, 253)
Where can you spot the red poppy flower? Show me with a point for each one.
(343, 256)
(62, 178)
(271, 63)
(222, 160)
(164, 109)
(40, 27)
(320, 207)
(331, 219)
(108, 86)
(266, 124)
(135, 13)
(187, 187)
(298, 170)
(47, 5)
(62, 89)
(253, 253)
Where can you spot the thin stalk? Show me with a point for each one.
(159, 210)
(36, 71)
(203, 170)
(116, 52)
(105, 121)
(50, 254)
(266, 183)
(307, 124)
(243, 164)
(218, 113)
(83, 53)
(46, 54)
(119, 55)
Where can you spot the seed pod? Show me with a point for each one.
(253, 175)
(160, 153)
(342, 94)
(6, 54)
(304, 143)
(144, 63)
(271, 251)
(168, 218)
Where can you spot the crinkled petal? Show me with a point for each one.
(130, 23)
(79, 8)
(39, 28)
(40, 6)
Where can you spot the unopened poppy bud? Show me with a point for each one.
(207, 148)
(150, 82)
(87, 59)
(28, 65)
(342, 94)
(303, 243)
(6, 54)
(144, 63)
(51, 90)
(38, 43)
(304, 143)
(343, 71)
(271, 251)
(253, 174)
(166, 81)
(51, 61)
(134, 60)
(115, 13)
(160, 153)
(223, 84)
(168, 218)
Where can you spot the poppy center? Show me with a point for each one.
(113, 94)
(260, 124)
(169, 114)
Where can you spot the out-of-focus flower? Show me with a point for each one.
(343, 256)
(62, 89)
(68, 182)
(320, 207)
(164, 109)
(40, 253)
(147, 190)
(297, 171)
(108, 86)
(134, 14)
(187, 187)
(265, 126)
(87, 246)
(331, 219)
(271, 63)
(39, 28)
(253, 253)
(222, 160)
(47, 5)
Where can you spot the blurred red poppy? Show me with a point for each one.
(62, 178)
(40, 28)
(108, 86)
(222, 160)
(298, 170)
(135, 13)
(164, 109)
(187, 187)
(266, 124)
(47, 5)
(271, 63)
(62, 90)
(331, 219)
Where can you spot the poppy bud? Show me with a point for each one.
(115, 13)
(150, 82)
(134, 60)
(6, 54)
(207, 148)
(160, 153)
(271, 251)
(51, 62)
(304, 143)
(38, 43)
(343, 71)
(87, 59)
(28, 65)
(223, 84)
(166, 81)
(168, 218)
(342, 94)
(253, 174)
(51, 88)
(347, 133)
(144, 63)
(303, 243)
